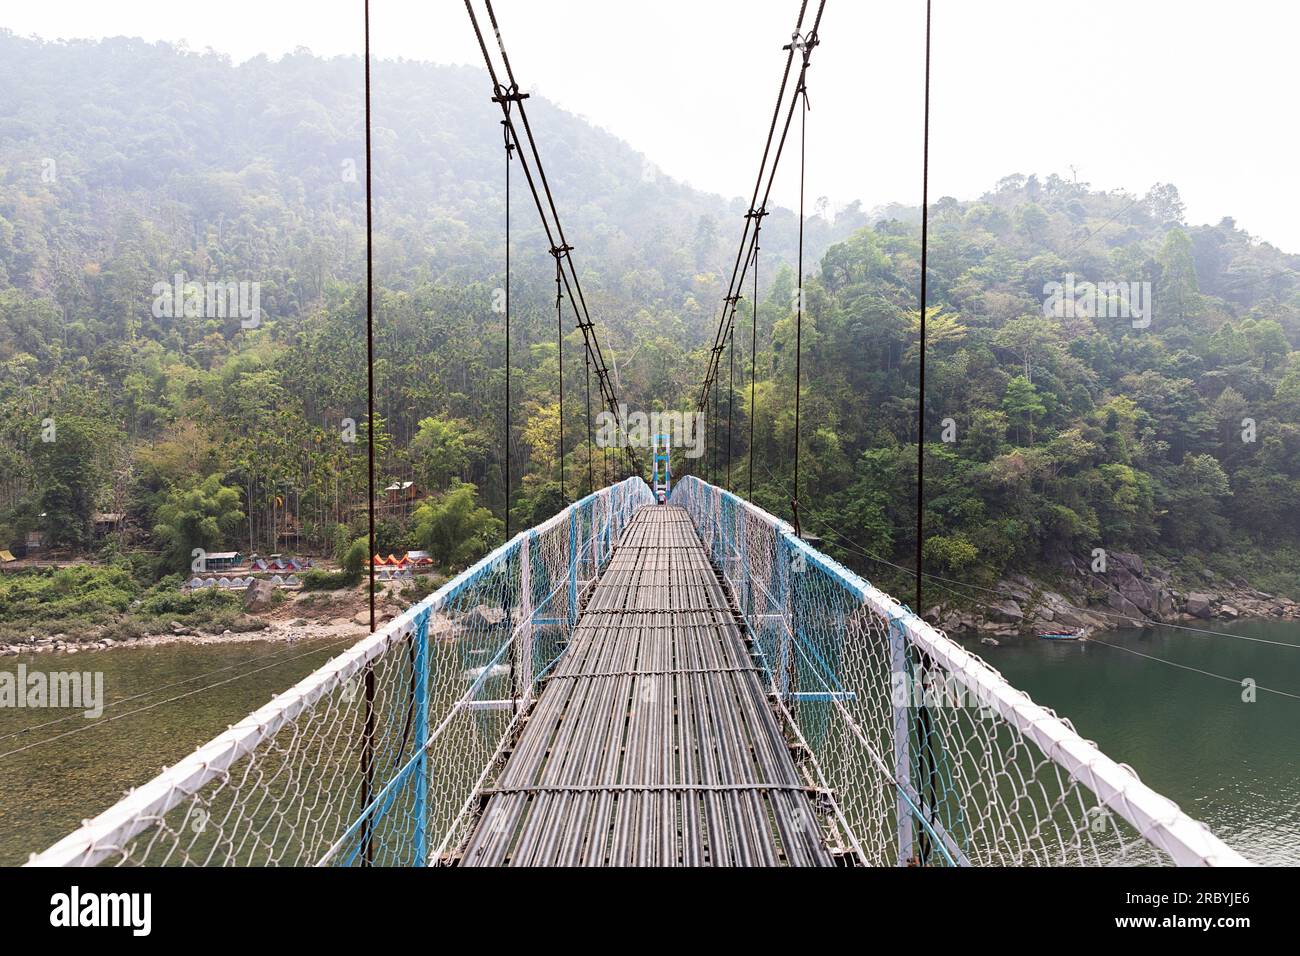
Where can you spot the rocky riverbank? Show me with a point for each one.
(1128, 593)
(342, 614)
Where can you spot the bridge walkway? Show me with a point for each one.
(653, 743)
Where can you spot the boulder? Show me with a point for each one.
(1229, 612)
(1166, 603)
(1122, 605)
(959, 623)
(1018, 586)
(258, 595)
(1127, 561)
(1007, 611)
(1065, 614)
(1199, 604)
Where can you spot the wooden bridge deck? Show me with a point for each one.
(653, 743)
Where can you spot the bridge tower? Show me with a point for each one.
(662, 482)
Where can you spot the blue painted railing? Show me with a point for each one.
(443, 685)
(928, 755)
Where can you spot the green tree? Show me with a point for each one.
(206, 515)
(1194, 519)
(1021, 404)
(953, 554)
(1031, 337)
(438, 452)
(1178, 293)
(68, 463)
(355, 559)
(454, 528)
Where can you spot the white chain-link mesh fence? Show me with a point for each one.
(376, 757)
(930, 755)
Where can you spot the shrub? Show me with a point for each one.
(355, 561)
(316, 580)
(92, 594)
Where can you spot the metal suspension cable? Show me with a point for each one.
(802, 91)
(731, 397)
(140, 695)
(559, 341)
(826, 521)
(755, 213)
(852, 545)
(510, 149)
(368, 739)
(86, 727)
(535, 175)
(807, 43)
(753, 369)
(924, 728)
(920, 404)
(714, 447)
(591, 481)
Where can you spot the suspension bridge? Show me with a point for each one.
(687, 683)
(665, 676)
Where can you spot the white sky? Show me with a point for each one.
(1128, 92)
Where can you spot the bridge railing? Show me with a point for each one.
(929, 755)
(376, 757)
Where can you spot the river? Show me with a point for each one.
(1234, 765)
(53, 776)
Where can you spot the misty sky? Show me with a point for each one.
(1127, 92)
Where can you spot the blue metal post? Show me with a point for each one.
(726, 537)
(421, 705)
(742, 572)
(780, 595)
(609, 524)
(573, 568)
(900, 678)
(527, 587)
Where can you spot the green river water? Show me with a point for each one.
(48, 788)
(1230, 764)
(1234, 765)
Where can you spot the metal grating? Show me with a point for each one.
(653, 742)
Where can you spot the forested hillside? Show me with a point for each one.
(124, 164)
(1175, 435)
